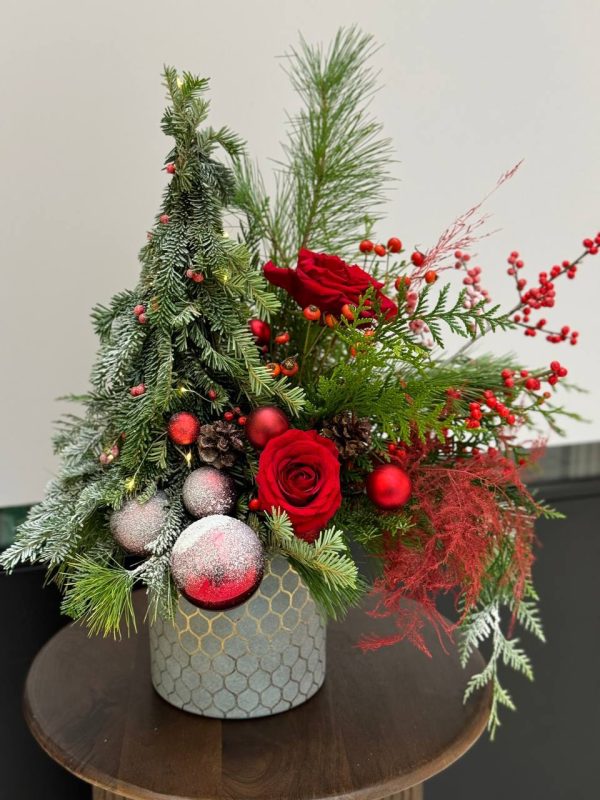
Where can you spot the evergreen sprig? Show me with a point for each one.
(485, 623)
(336, 162)
(326, 566)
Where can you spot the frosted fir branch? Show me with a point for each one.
(463, 233)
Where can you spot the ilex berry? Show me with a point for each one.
(164, 219)
(366, 246)
(380, 250)
(417, 258)
(394, 245)
(170, 168)
(431, 276)
(282, 338)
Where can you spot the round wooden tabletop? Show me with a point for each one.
(383, 722)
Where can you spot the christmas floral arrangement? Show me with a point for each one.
(277, 383)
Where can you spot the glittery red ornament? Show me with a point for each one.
(217, 562)
(184, 428)
(389, 487)
(263, 424)
(261, 331)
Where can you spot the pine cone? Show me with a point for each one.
(351, 436)
(220, 444)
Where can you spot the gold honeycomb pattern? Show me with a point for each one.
(260, 658)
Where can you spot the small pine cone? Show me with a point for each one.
(351, 435)
(220, 444)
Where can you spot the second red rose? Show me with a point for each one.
(299, 473)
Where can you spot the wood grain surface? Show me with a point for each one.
(382, 723)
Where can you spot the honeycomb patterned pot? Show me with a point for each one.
(260, 658)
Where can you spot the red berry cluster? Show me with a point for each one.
(197, 277)
(544, 294)
(472, 280)
(492, 402)
(557, 372)
(139, 312)
(236, 414)
(394, 245)
(475, 415)
(137, 391)
(592, 245)
(109, 456)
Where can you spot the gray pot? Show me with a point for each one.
(260, 658)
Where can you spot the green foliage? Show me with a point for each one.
(466, 322)
(326, 566)
(195, 338)
(335, 164)
(483, 624)
(99, 594)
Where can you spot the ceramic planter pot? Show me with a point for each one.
(260, 658)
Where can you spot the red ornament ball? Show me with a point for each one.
(217, 562)
(261, 331)
(389, 487)
(184, 428)
(263, 424)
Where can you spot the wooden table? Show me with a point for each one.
(382, 724)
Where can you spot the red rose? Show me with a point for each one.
(299, 472)
(328, 283)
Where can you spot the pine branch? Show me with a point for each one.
(335, 161)
(326, 565)
(100, 595)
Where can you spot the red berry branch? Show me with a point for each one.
(544, 294)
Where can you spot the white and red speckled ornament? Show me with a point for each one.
(208, 490)
(217, 562)
(135, 525)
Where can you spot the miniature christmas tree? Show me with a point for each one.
(174, 351)
(292, 402)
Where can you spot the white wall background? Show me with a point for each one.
(470, 87)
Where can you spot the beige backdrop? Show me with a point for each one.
(470, 87)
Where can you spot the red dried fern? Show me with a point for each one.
(472, 523)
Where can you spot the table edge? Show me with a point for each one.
(92, 776)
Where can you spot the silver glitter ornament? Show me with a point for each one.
(137, 524)
(208, 491)
(217, 562)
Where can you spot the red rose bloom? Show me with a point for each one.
(299, 472)
(328, 283)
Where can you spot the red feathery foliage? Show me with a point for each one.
(464, 515)
(462, 234)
